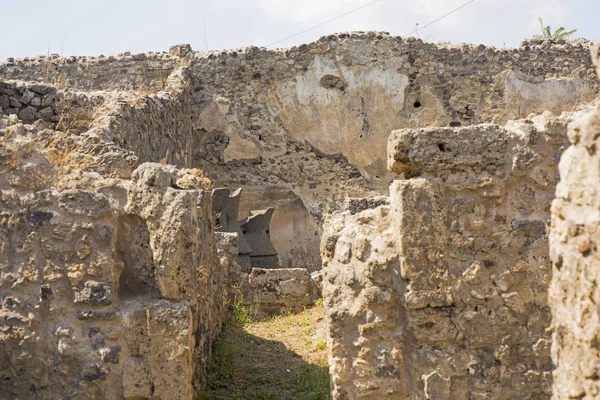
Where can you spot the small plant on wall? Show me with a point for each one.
(560, 34)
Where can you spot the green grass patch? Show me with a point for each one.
(275, 358)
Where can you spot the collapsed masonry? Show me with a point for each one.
(113, 261)
(110, 286)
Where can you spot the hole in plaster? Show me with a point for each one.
(442, 147)
(417, 104)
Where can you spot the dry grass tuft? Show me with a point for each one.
(73, 119)
(68, 151)
(207, 183)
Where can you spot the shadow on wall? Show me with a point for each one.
(133, 249)
(294, 233)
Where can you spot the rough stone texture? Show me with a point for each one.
(156, 127)
(574, 292)
(265, 290)
(56, 107)
(314, 119)
(237, 273)
(110, 281)
(109, 288)
(442, 293)
(274, 290)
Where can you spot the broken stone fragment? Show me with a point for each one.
(93, 293)
(180, 50)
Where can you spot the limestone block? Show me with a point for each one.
(158, 340)
(573, 292)
(93, 293)
(456, 264)
(283, 288)
(116, 280)
(420, 209)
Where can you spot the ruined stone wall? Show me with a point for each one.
(342, 94)
(574, 293)
(109, 287)
(438, 290)
(155, 126)
(281, 289)
(123, 71)
(442, 293)
(315, 118)
(64, 109)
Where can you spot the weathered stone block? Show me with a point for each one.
(282, 288)
(93, 293)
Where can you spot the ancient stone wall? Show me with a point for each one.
(256, 100)
(123, 71)
(109, 287)
(296, 233)
(574, 293)
(315, 119)
(442, 293)
(439, 291)
(345, 93)
(67, 110)
(276, 290)
(156, 126)
(255, 277)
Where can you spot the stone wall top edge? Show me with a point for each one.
(452, 129)
(164, 56)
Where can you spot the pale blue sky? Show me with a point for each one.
(112, 26)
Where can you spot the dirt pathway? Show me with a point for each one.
(280, 358)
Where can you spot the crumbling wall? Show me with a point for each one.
(346, 92)
(276, 290)
(442, 293)
(288, 117)
(67, 110)
(124, 71)
(314, 119)
(255, 278)
(437, 292)
(109, 287)
(157, 127)
(574, 292)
